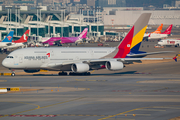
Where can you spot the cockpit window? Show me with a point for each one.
(9, 57)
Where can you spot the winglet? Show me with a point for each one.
(9, 37)
(134, 36)
(175, 58)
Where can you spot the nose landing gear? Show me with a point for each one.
(13, 73)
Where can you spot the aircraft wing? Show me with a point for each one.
(99, 61)
(149, 53)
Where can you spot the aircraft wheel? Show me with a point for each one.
(62, 73)
(88, 73)
(13, 74)
(177, 45)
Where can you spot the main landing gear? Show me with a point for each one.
(62, 73)
(86, 73)
(72, 73)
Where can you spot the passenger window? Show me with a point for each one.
(9, 57)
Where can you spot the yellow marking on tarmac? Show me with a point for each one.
(152, 110)
(92, 71)
(91, 80)
(3, 80)
(14, 89)
(38, 107)
(135, 110)
(120, 114)
(7, 74)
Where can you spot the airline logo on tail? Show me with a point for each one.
(84, 33)
(9, 37)
(23, 38)
(134, 36)
(168, 30)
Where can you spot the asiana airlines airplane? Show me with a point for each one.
(78, 60)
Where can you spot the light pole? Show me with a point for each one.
(81, 8)
(38, 8)
(63, 9)
(17, 8)
(94, 12)
(88, 14)
(98, 8)
(9, 9)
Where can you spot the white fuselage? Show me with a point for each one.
(45, 58)
(169, 42)
(15, 45)
(5, 44)
(155, 36)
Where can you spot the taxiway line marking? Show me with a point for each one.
(91, 80)
(3, 80)
(137, 109)
(152, 110)
(38, 107)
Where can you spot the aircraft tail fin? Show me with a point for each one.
(158, 30)
(134, 36)
(168, 30)
(23, 38)
(9, 37)
(175, 58)
(84, 33)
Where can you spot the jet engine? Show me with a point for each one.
(114, 65)
(31, 71)
(80, 67)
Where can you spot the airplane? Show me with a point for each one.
(164, 34)
(63, 40)
(169, 42)
(21, 42)
(78, 60)
(158, 30)
(7, 41)
(134, 50)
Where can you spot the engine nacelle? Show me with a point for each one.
(31, 71)
(114, 65)
(80, 67)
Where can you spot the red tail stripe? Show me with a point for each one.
(124, 47)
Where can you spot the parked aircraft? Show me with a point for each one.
(169, 42)
(63, 40)
(158, 30)
(164, 34)
(7, 41)
(78, 59)
(21, 42)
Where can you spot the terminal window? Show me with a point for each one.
(111, 2)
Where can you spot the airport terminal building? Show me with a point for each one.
(45, 23)
(127, 16)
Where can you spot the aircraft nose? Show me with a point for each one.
(5, 63)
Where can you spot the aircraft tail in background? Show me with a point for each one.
(158, 30)
(134, 36)
(168, 30)
(84, 33)
(23, 38)
(9, 37)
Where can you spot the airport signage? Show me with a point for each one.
(165, 17)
